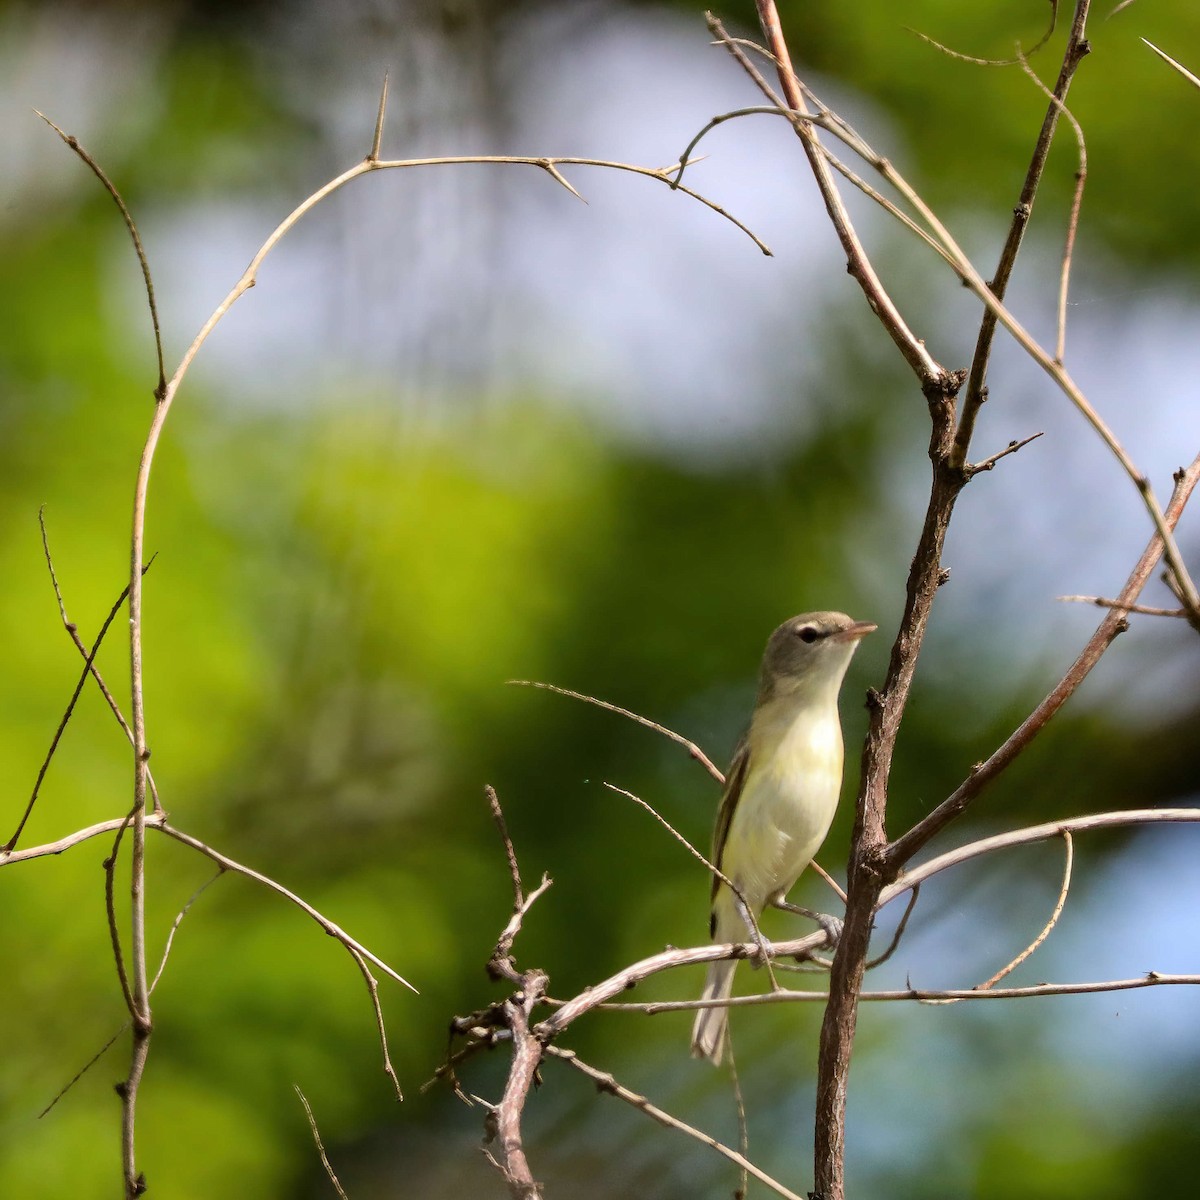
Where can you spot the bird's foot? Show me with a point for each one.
(830, 925)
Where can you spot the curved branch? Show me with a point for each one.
(1034, 833)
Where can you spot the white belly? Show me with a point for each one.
(781, 819)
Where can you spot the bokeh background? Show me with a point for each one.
(467, 429)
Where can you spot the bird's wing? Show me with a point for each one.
(734, 782)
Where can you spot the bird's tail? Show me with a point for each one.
(710, 1033)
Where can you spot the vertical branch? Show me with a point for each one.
(976, 393)
(857, 263)
(868, 870)
(527, 1058)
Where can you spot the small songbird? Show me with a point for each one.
(781, 791)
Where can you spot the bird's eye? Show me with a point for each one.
(806, 633)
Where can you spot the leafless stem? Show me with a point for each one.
(976, 392)
(895, 942)
(902, 850)
(73, 631)
(743, 907)
(66, 717)
(1072, 220)
(928, 371)
(380, 1026)
(696, 753)
(377, 140)
(223, 860)
(1147, 609)
(628, 977)
(993, 62)
(127, 217)
(312, 1124)
(934, 995)
(988, 463)
(606, 1083)
(1010, 967)
(527, 1056)
(510, 852)
(1035, 833)
(183, 912)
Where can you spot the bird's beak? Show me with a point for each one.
(852, 633)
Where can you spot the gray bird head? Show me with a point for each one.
(809, 653)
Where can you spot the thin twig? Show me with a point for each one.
(606, 1083)
(127, 217)
(1060, 341)
(73, 631)
(183, 912)
(913, 349)
(902, 850)
(500, 965)
(331, 928)
(110, 909)
(895, 942)
(510, 852)
(628, 977)
(312, 1124)
(743, 907)
(1010, 967)
(988, 463)
(381, 1028)
(696, 753)
(1147, 609)
(829, 879)
(976, 390)
(1035, 833)
(87, 1066)
(932, 995)
(63, 722)
(993, 62)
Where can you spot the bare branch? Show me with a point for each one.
(73, 631)
(629, 977)
(1035, 833)
(900, 928)
(500, 965)
(183, 912)
(66, 717)
(993, 62)
(380, 1026)
(927, 369)
(743, 907)
(333, 930)
(510, 852)
(1148, 609)
(127, 217)
(312, 1124)
(988, 463)
(506, 1117)
(1009, 968)
(976, 391)
(696, 753)
(936, 995)
(1072, 220)
(902, 850)
(606, 1083)
(87, 1066)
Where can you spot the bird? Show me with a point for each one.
(780, 794)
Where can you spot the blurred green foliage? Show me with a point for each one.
(334, 612)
